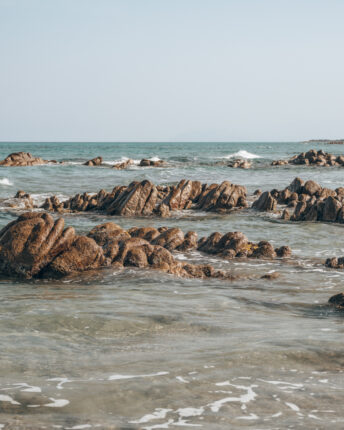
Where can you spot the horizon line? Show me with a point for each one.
(164, 141)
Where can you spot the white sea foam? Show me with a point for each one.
(116, 377)
(292, 406)
(242, 154)
(28, 388)
(57, 403)
(119, 161)
(157, 415)
(6, 398)
(6, 182)
(60, 381)
(244, 398)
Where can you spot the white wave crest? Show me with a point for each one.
(6, 182)
(242, 154)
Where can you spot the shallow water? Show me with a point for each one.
(137, 349)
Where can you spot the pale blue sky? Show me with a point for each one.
(171, 69)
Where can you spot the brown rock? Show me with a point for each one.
(169, 239)
(28, 244)
(150, 163)
(190, 241)
(23, 159)
(311, 188)
(331, 209)
(83, 254)
(283, 251)
(265, 202)
(94, 162)
(104, 233)
(337, 300)
(271, 276)
(123, 165)
(264, 250)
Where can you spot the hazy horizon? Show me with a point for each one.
(173, 71)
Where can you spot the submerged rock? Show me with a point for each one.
(240, 163)
(151, 163)
(35, 245)
(23, 159)
(123, 165)
(94, 162)
(337, 300)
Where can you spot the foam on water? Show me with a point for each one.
(242, 154)
(6, 182)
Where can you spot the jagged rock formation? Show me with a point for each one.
(313, 158)
(35, 245)
(144, 198)
(240, 163)
(23, 159)
(94, 162)
(308, 201)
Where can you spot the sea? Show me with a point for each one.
(139, 349)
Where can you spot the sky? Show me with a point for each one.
(171, 70)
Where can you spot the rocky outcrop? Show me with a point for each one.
(266, 202)
(145, 199)
(143, 163)
(335, 263)
(230, 245)
(152, 163)
(20, 201)
(35, 245)
(240, 163)
(94, 162)
(306, 201)
(313, 158)
(123, 164)
(337, 301)
(17, 159)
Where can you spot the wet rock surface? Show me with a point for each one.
(36, 245)
(94, 162)
(305, 201)
(145, 199)
(240, 164)
(313, 158)
(21, 159)
(337, 301)
(145, 162)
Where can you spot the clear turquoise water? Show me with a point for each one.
(138, 349)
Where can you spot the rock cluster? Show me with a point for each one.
(240, 163)
(144, 198)
(94, 162)
(123, 165)
(35, 245)
(313, 158)
(23, 159)
(143, 163)
(308, 201)
(335, 263)
(151, 163)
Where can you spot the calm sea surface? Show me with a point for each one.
(138, 349)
